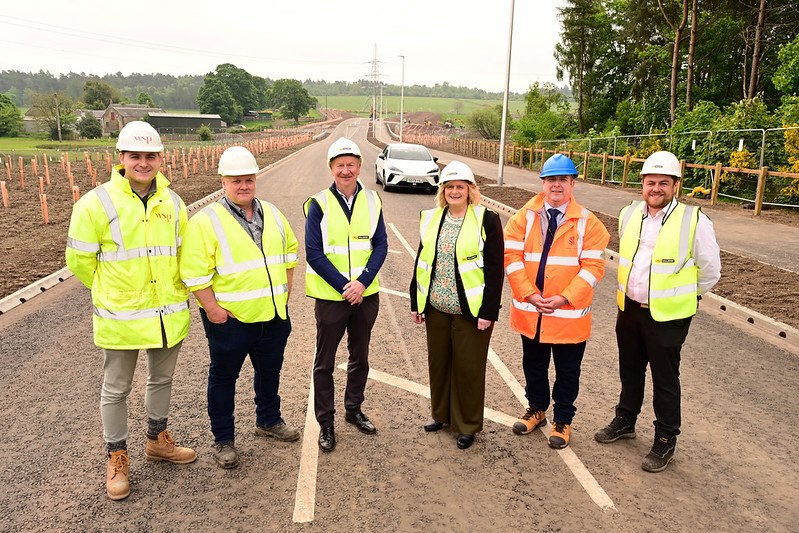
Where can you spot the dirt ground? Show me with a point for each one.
(31, 249)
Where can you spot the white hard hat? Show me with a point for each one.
(138, 136)
(456, 171)
(237, 161)
(662, 162)
(343, 146)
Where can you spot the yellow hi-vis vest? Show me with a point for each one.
(673, 275)
(347, 243)
(128, 256)
(468, 256)
(218, 253)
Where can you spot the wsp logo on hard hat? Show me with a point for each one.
(143, 138)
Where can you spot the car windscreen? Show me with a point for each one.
(410, 153)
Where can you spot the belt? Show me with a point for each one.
(628, 301)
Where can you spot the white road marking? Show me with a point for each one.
(402, 239)
(305, 497)
(395, 293)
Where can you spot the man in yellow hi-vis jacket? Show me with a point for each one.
(123, 244)
(238, 259)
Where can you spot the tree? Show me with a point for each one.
(291, 98)
(242, 86)
(677, 28)
(215, 97)
(99, 94)
(144, 99)
(546, 115)
(786, 77)
(487, 121)
(10, 117)
(89, 127)
(204, 133)
(56, 111)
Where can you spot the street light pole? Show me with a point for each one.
(402, 96)
(505, 102)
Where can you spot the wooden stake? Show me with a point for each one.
(4, 191)
(75, 193)
(45, 211)
(41, 185)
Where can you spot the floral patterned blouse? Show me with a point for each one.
(443, 288)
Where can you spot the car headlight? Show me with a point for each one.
(392, 168)
(434, 171)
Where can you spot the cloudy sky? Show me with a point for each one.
(463, 42)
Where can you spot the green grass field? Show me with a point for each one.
(448, 107)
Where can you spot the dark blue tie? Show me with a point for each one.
(552, 226)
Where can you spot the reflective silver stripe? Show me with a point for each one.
(581, 231)
(559, 313)
(682, 290)
(422, 289)
(624, 262)
(514, 245)
(83, 246)
(356, 271)
(361, 245)
(513, 267)
(428, 217)
(113, 217)
(291, 258)
(139, 314)
(530, 221)
(278, 220)
(224, 245)
(471, 265)
(479, 212)
(562, 260)
(176, 203)
(671, 268)
(371, 202)
(685, 234)
(321, 199)
(423, 265)
(337, 250)
(474, 291)
(136, 253)
(621, 288)
(310, 270)
(266, 292)
(193, 282)
(592, 254)
(635, 206)
(587, 276)
(532, 257)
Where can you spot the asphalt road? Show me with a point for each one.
(735, 467)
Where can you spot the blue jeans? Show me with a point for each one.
(229, 344)
(535, 361)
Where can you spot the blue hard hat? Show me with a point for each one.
(558, 165)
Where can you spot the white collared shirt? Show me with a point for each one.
(562, 215)
(705, 252)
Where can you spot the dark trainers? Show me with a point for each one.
(532, 419)
(280, 431)
(619, 428)
(661, 454)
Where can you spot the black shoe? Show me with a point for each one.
(464, 441)
(327, 439)
(361, 421)
(433, 426)
(619, 428)
(661, 454)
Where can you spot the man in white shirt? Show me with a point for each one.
(668, 257)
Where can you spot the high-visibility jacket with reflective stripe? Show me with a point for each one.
(217, 252)
(347, 243)
(673, 274)
(573, 268)
(468, 256)
(128, 256)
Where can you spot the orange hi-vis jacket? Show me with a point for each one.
(574, 266)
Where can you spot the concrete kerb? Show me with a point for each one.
(37, 287)
(741, 316)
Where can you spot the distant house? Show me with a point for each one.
(116, 116)
(98, 114)
(184, 123)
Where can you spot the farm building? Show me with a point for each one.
(116, 116)
(183, 123)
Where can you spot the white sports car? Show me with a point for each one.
(407, 166)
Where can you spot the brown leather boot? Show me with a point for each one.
(165, 449)
(117, 483)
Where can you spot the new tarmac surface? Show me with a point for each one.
(735, 468)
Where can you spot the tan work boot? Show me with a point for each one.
(117, 483)
(529, 421)
(560, 435)
(165, 449)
